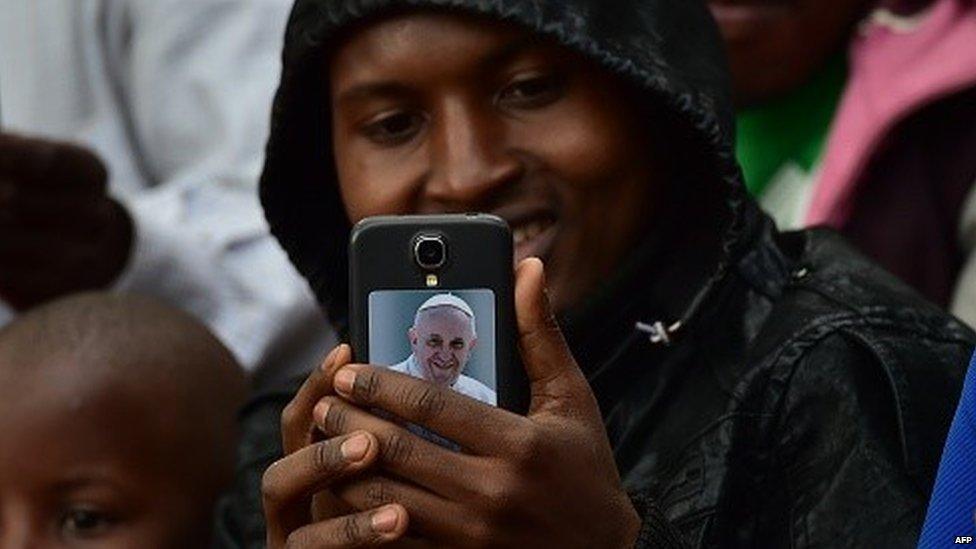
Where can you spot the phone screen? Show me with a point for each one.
(444, 337)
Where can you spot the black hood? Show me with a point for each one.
(669, 48)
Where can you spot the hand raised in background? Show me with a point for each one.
(60, 232)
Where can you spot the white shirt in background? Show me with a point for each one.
(175, 96)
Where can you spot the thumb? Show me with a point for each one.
(549, 364)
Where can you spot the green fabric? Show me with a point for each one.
(790, 129)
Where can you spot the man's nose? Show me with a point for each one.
(469, 155)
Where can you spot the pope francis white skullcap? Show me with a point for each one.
(447, 300)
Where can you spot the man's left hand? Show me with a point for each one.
(547, 479)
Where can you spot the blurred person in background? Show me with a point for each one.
(154, 114)
(861, 114)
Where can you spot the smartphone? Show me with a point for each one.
(433, 296)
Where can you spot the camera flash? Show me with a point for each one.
(432, 280)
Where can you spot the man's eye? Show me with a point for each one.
(457, 344)
(532, 92)
(394, 129)
(82, 522)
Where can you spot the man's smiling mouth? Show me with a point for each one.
(534, 230)
(534, 238)
(530, 230)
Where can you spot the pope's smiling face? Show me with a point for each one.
(442, 340)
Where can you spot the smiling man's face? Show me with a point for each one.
(442, 340)
(777, 45)
(439, 113)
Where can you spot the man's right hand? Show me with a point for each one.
(60, 232)
(298, 507)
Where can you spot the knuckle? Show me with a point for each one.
(480, 533)
(366, 386)
(500, 490)
(351, 530)
(535, 337)
(379, 493)
(398, 448)
(327, 457)
(528, 448)
(337, 418)
(426, 402)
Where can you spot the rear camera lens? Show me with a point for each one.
(430, 252)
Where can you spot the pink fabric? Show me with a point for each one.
(892, 74)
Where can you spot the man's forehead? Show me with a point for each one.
(401, 45)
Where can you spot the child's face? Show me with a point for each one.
(82, 466)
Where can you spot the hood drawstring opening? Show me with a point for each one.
(658, 332)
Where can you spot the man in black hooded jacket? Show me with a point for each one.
(755, 388)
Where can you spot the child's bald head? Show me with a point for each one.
(124, 408)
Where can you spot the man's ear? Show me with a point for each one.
(473, 344)
(412, 336)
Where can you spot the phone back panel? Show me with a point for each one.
(389, 291)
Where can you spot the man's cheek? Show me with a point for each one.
(384, 188)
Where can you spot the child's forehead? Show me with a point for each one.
(94, 409)
(88, 439)
(76, 376)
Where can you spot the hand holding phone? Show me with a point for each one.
(547, 479)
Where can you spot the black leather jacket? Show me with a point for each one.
(806, 408)
(759, 389)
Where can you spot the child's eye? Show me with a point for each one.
(83, 522)
(394, 128)
(532, 92)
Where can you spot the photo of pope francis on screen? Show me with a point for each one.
(442, 339)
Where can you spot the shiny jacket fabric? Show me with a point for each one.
(759, 389)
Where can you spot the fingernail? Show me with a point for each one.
(320, 412)
(344, 380)
(385, 520)
(542, 267)
(355, 448)
(330, 359)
